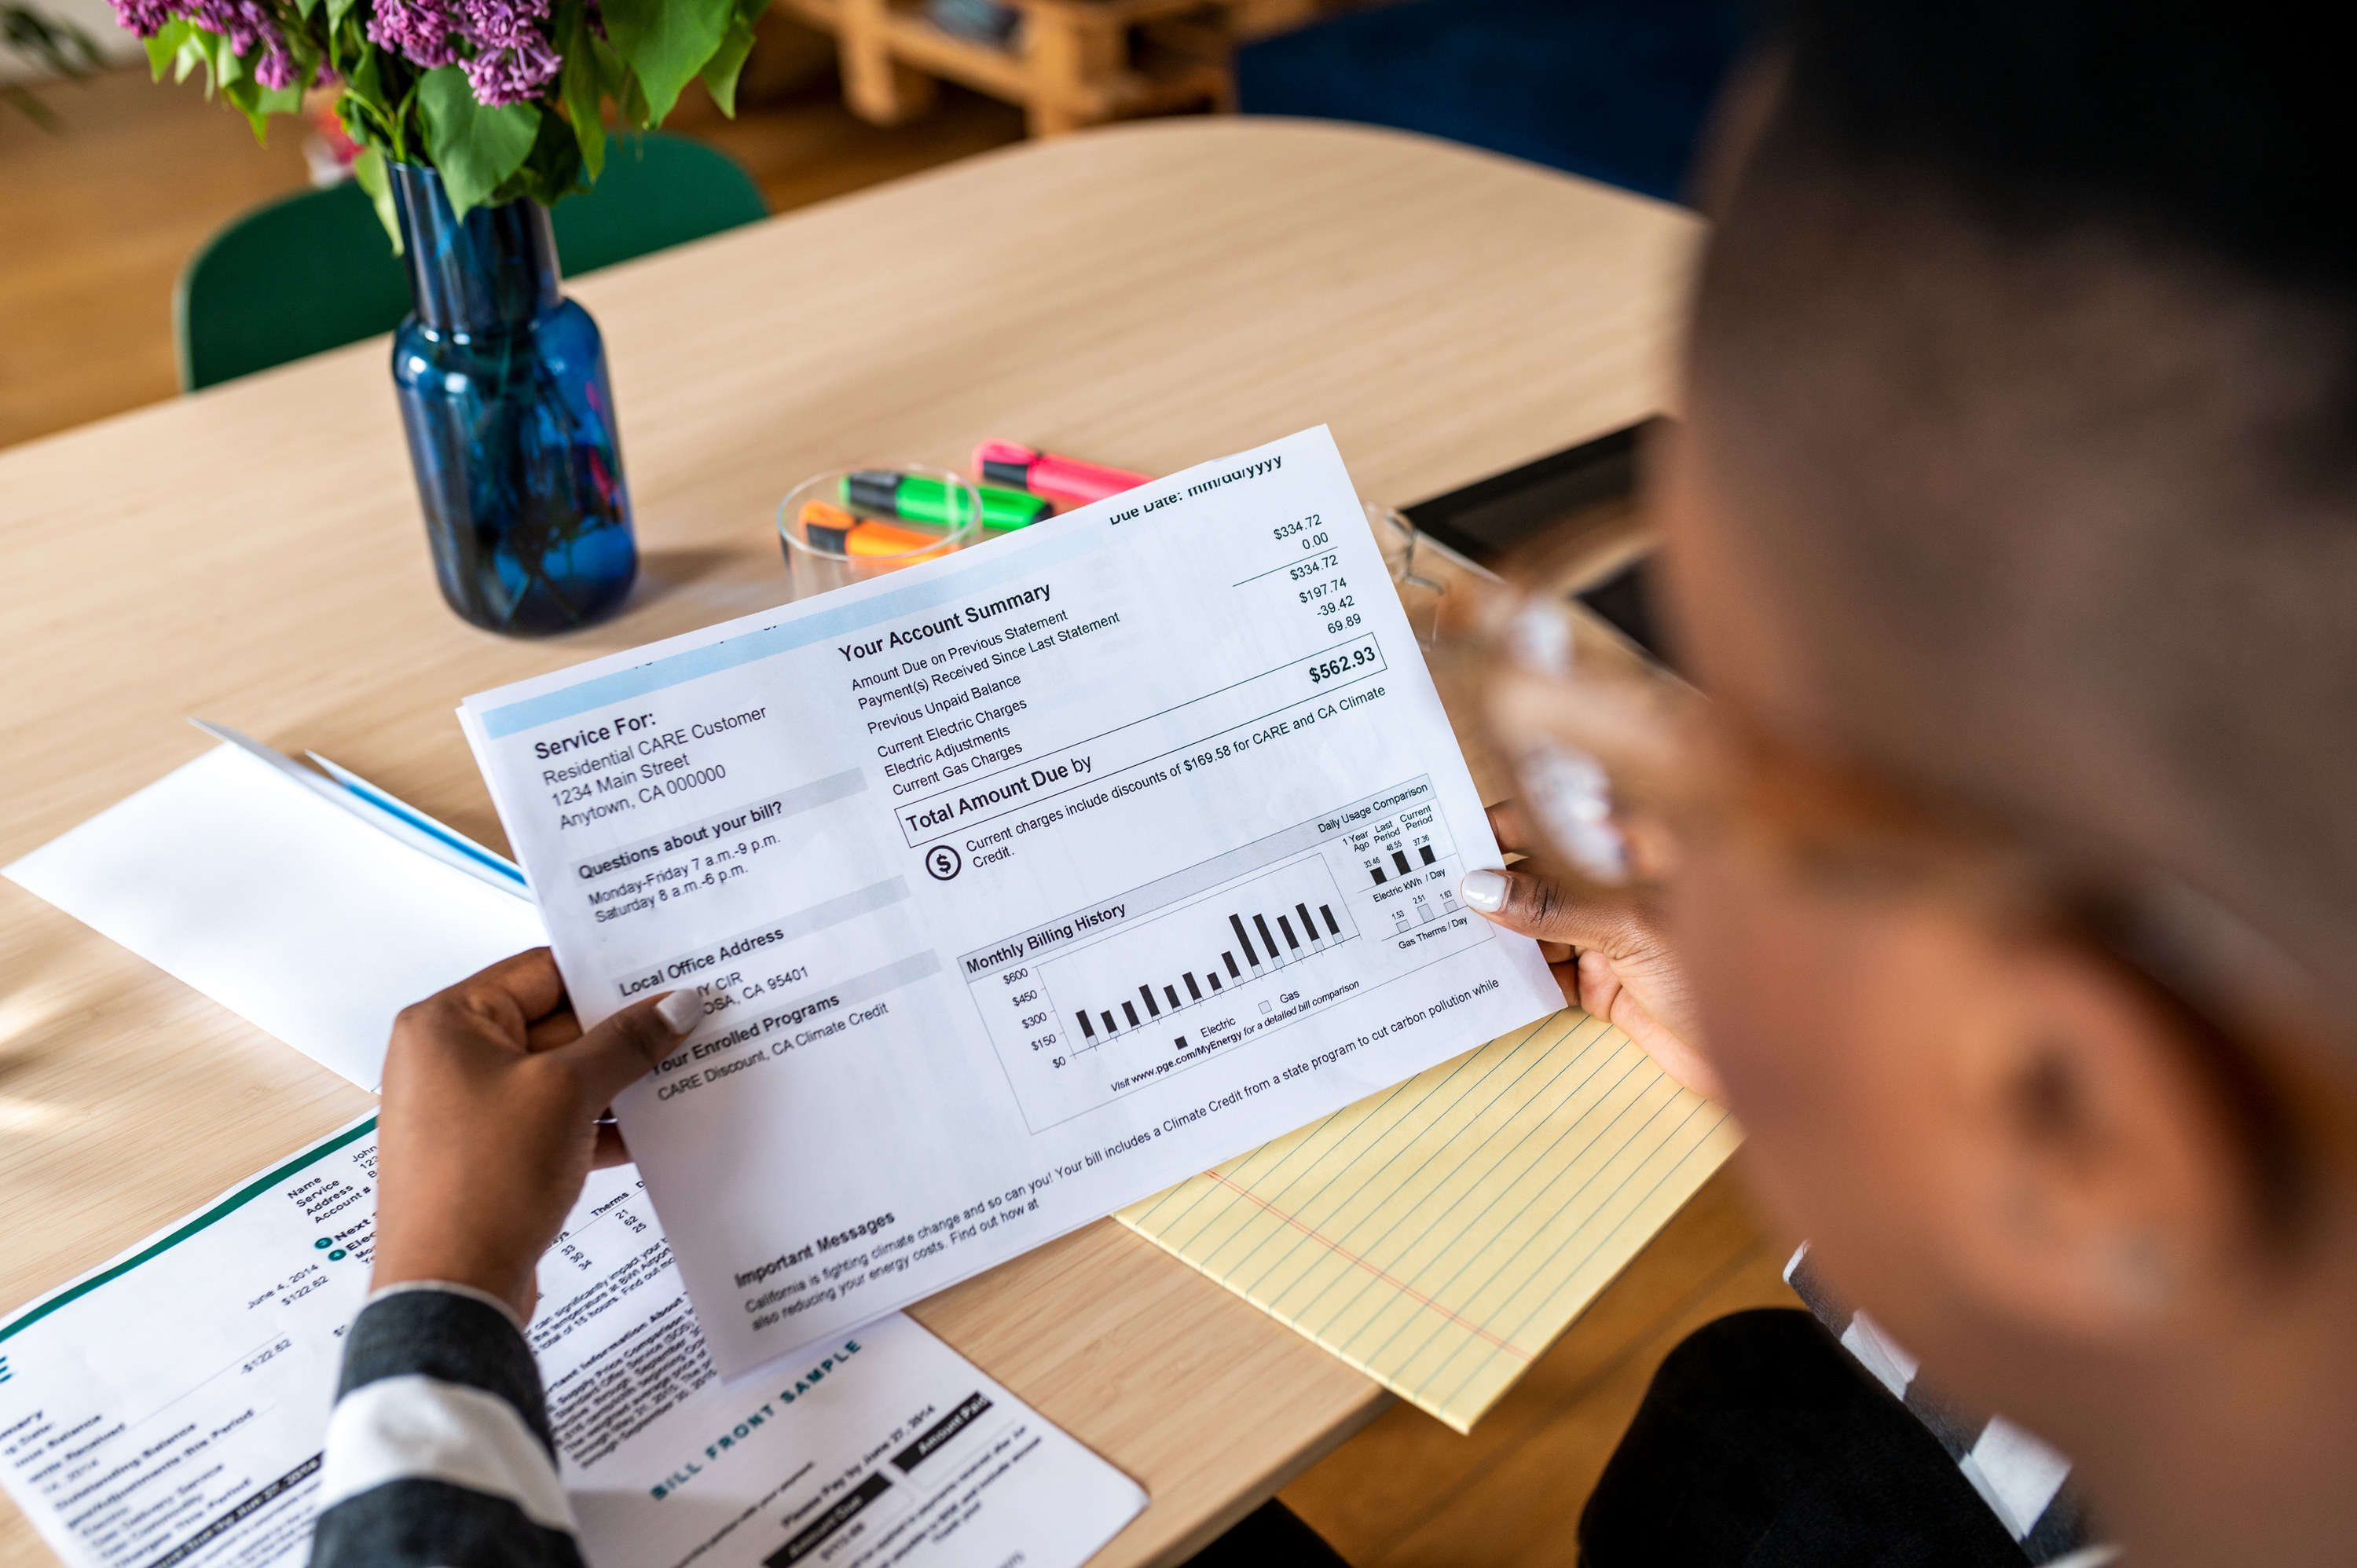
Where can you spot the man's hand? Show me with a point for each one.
(1613, 960)
(490, 1122)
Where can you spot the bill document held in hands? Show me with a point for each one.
(1018, 884)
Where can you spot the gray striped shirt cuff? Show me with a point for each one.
(438, 1451)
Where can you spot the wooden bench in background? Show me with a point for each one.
(1073, 63)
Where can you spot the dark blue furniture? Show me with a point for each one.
(1616, 89)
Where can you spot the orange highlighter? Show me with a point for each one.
(832, 528)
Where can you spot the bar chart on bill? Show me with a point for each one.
(1192, 958)
(1224, 953)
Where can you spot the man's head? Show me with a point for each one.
(2020, 472)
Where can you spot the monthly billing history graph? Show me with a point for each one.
(1197, 963)
(1228, 939)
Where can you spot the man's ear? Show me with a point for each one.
(2106, 1196)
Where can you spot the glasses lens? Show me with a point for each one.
(1569, 796)
(1595, 736)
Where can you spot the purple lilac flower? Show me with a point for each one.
(246, 24)
(276, 70)
(508, 56)
(422, 32)
(501, 43)
(143, 18)
(512, 59)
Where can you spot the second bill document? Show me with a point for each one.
(1018, 886)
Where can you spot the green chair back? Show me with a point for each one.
(657, 191)
(314, 271)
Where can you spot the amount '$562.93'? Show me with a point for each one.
(1358, 658)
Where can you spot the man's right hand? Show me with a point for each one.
(1612, 958)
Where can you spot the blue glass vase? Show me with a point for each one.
(502, 388)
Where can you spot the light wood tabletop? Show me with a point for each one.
(1151, 296)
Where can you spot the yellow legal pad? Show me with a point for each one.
(1440, 1234)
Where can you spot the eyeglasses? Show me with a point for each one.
(1622, 766)
(1623, 770)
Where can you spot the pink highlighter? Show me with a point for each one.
(1065, 479)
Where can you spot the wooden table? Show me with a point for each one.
(1151, 296)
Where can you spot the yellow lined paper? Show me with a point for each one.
(1438, 1235)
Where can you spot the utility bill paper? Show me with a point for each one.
(1018, 886)
(130, 1446)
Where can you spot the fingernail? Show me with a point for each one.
(679, 1010)
(1485, 890)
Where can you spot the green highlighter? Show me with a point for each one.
(915, 498)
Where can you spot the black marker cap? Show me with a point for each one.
(872, 489)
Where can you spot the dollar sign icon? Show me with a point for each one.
(942, 861)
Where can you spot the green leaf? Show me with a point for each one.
(228, 69)
(620, 82)
(166, 45)
(666, 43)
(552, 172)
(257, 102)
(369, 174)
(476, 148)
(349, 48)
(305, 52)
(365, 83)
(612, 68)
(208, 49)
(369, 115)
(304, 8)
(583, 93)
(720, 72)
(632, 98)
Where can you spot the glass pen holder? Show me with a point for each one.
(853, 524)
(1419, 596)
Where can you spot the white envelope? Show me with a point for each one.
(299, 918)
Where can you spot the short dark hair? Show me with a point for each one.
(2029, 335)
(2229, 127)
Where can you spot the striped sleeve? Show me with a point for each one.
(2023, 1481)
(438, 1451)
